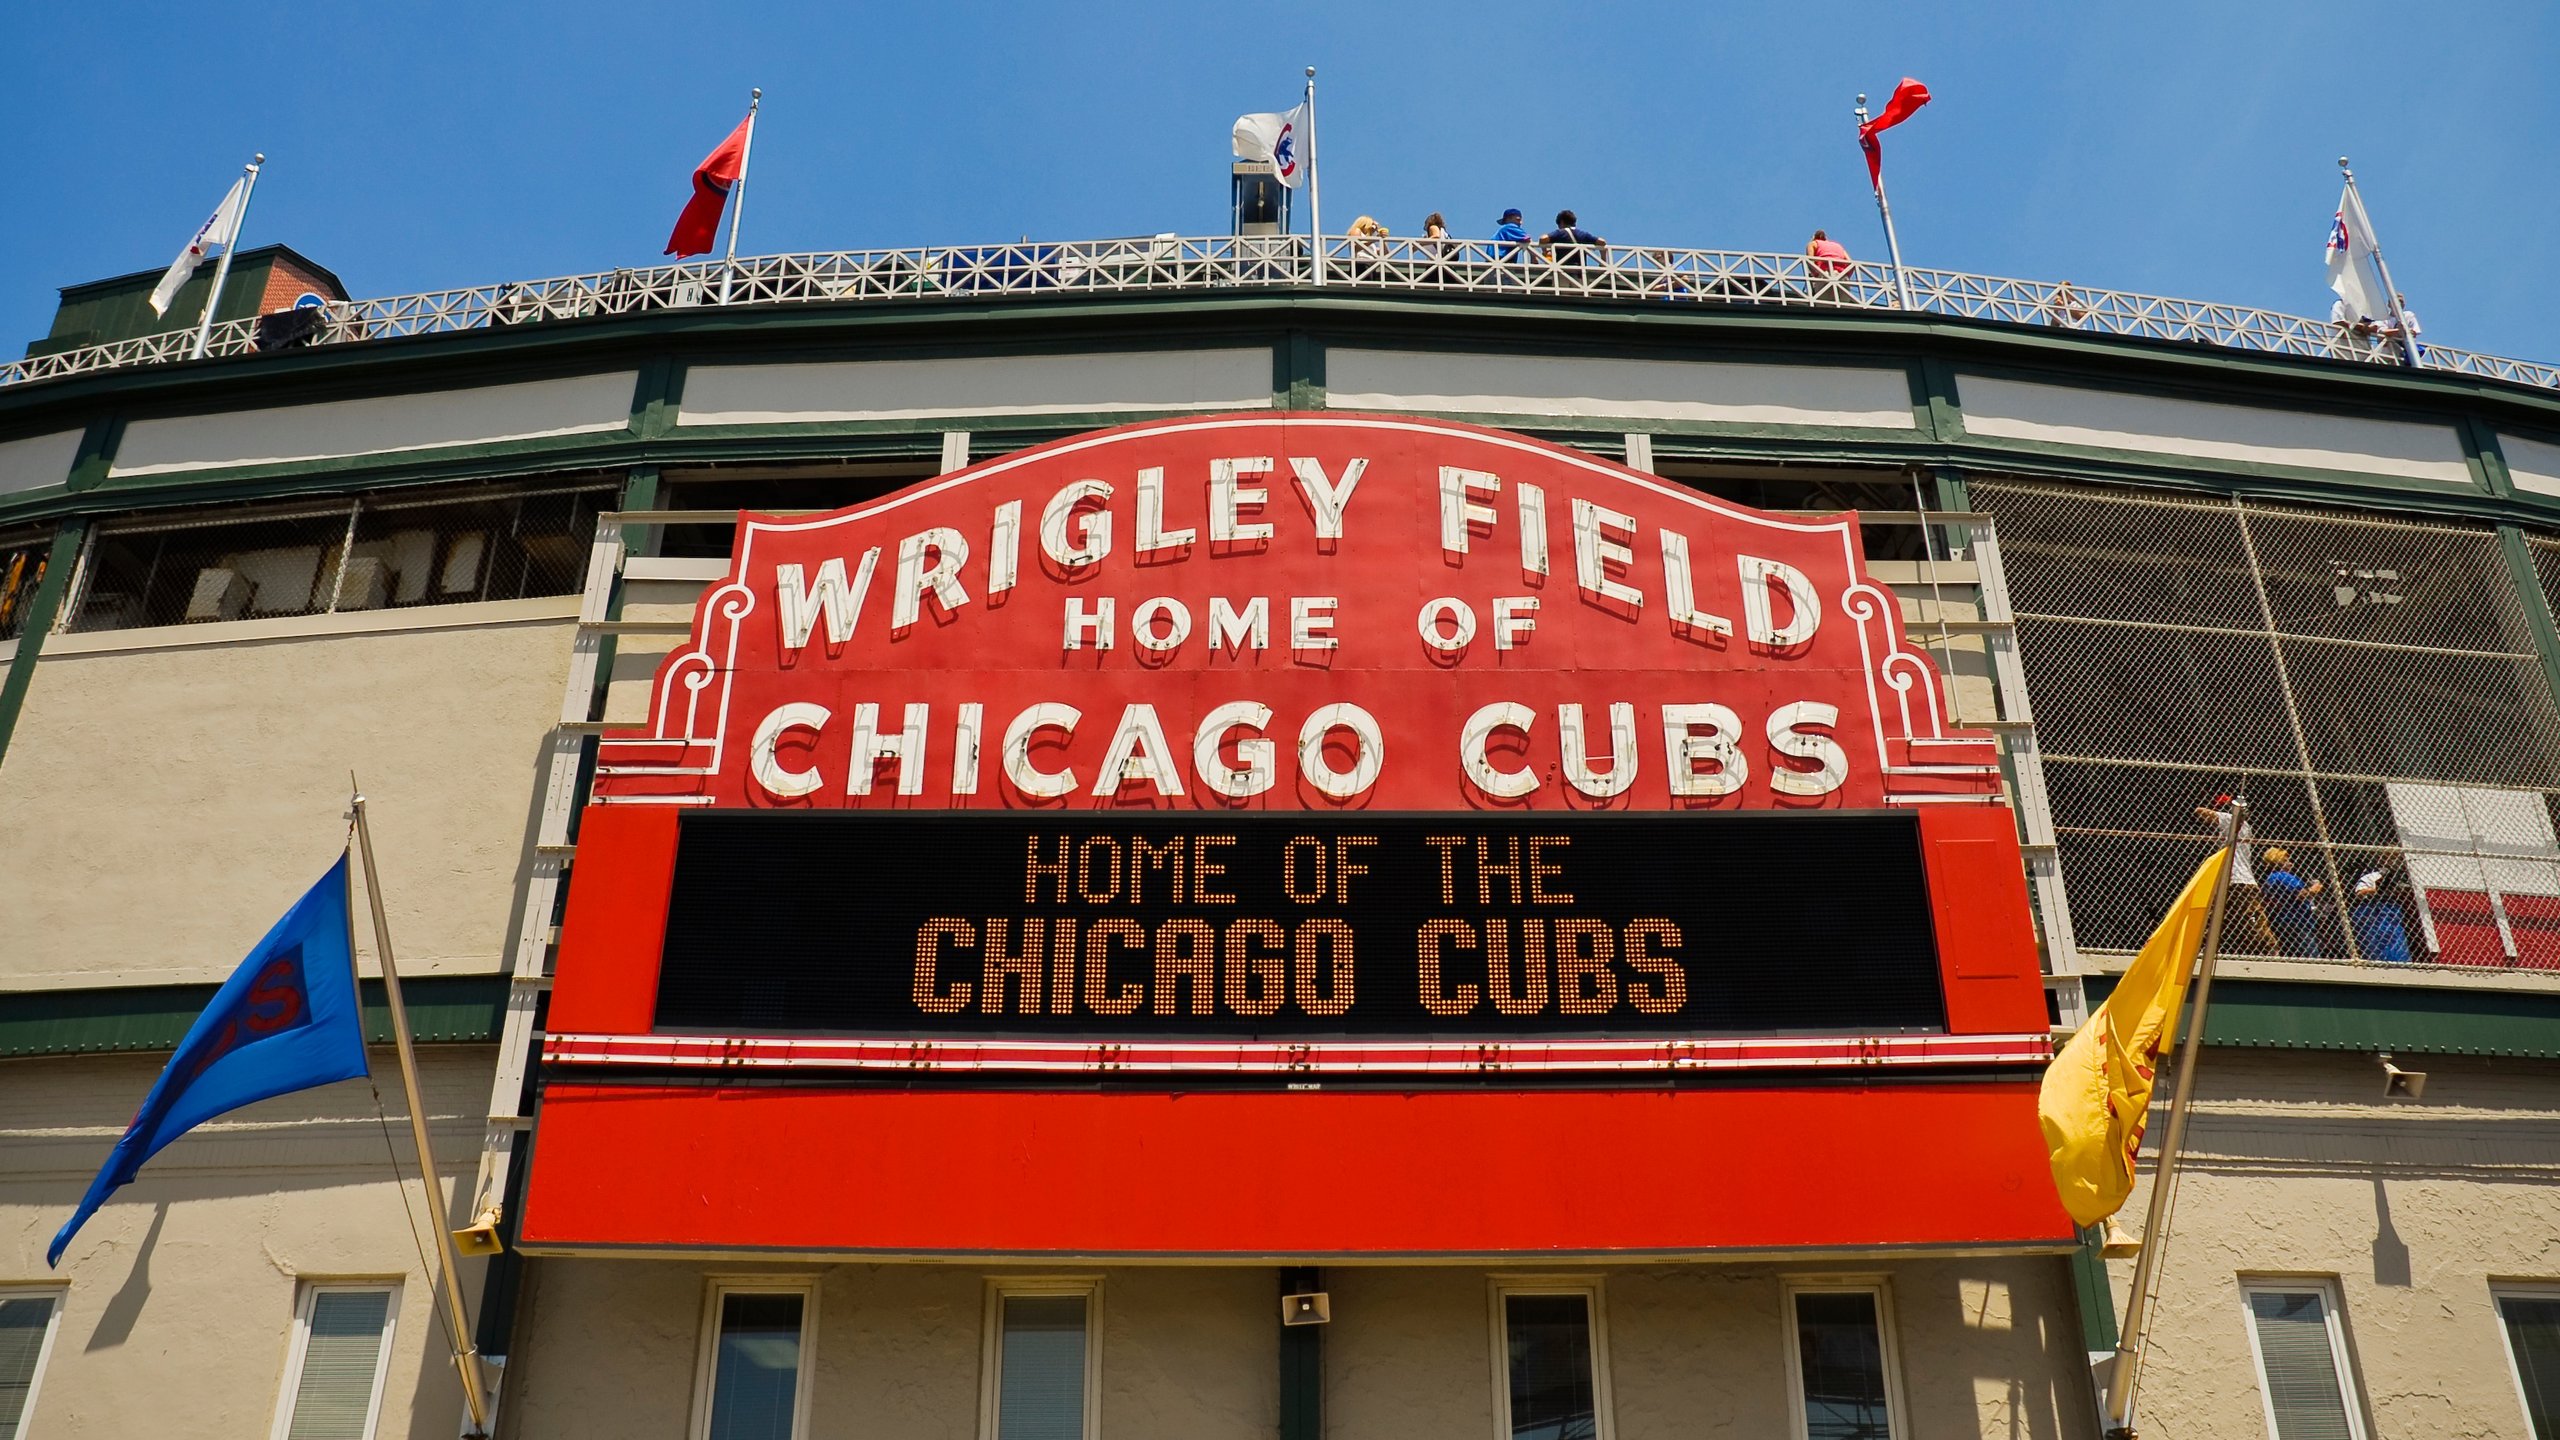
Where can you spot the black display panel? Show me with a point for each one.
(1153, 926)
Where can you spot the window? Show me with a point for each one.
(28, 1319)
(753, 1379)
(2531, 1317)
(1841, 1379)
(1550, 1382)
(1041, 1375)
(2302, 1360)
(443, 545)
(333, 1374)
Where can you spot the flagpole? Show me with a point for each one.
(738, 193)
(1892, 243)
(467, 1356)
(222, 267)
(1315, 180)
(2399, 316)
(2125, 1372)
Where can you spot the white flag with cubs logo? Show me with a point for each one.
(216, 233)
(1279, 139)
(2350, 257)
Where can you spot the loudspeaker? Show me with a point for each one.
(1313, 1308)
(480, 1237)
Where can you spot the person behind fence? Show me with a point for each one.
(1510, 238)
(2065, 308)
(2246, 911)
(1368, 245)
(1826, 256)
(2288, 898)
(2381, 924)
(2391, 332)
(1570, 244)
(2351, 335)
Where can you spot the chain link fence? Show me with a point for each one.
(2371, 685)
(397, 549)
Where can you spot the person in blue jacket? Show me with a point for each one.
(2288, 898)
(1510, 237)
(2382, 926)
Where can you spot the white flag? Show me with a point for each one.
(1279, 139)
(2351, 271)
(216, 232)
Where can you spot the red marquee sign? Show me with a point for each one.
(1168, 640)
(1298, 611)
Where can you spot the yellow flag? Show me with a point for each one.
(2097, 1095)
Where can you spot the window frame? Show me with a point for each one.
(1499, 1288)
(299, 1346)
(1888, 1346)
(2499, 1290)
(60, 1295)
(2341, 1354)
(991, 1345)
(706, 1359)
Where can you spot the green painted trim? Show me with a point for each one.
(2403, 1019)
(42, 608)
(443, 1010)
(1299, 364)
(2095, 1298)
(1297, 327)
(1301, 1363)
(96, 455)
(1934, 404)
(657, 398)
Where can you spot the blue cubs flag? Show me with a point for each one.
(286, 1020)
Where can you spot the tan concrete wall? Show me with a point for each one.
(167, 801)
(2298, 1166)
(608, 1347)
(181, 1291)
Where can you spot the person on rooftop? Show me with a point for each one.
(1368, 246)
(1570, 244)
(1510, 237)
(1828, 262)
(2391, 331)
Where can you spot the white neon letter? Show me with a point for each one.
(1028, 778)
(1370, 753)
(1477, 737)
(766, 767)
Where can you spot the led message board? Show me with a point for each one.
(1275, 925)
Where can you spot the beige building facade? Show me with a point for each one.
(225, 586)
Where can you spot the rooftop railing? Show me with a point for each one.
(1176, 264)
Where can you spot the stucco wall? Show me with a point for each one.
(166, 802)
(2298, 1166)
(607, 1347)
(181, 1291)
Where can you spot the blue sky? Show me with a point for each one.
(2181, 148)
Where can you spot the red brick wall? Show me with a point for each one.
(285, 280)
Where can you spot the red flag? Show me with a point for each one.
(699, 226)
(1908, 97)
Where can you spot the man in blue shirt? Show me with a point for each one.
(1570, 244)
(2288, 898)
(1510, 237)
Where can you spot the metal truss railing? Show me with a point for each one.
(1171, 263)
